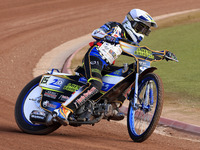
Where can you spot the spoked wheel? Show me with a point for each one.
(142, 119)
(29, 100)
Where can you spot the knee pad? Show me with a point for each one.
(97, 83)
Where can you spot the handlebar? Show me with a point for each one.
(146, 55)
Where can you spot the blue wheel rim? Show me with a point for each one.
(132, 116)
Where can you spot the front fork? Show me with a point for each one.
(147, 97)
(135, 98)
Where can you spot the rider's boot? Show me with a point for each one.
(61, 114)
(116, 114)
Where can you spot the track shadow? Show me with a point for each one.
(9, 129)
(87, 136)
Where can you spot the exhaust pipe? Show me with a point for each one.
(41, 117)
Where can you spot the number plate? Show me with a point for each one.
(52, 82)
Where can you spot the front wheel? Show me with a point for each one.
(143, 118)
(29, 100)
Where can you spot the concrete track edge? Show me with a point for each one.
(61, 56)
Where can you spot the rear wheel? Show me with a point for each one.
(142, 120)
(29, 100)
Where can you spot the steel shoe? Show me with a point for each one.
(116, 115)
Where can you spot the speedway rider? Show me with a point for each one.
(136, 24)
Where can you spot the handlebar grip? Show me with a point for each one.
(170, 56)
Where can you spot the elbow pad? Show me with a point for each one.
(98, 34)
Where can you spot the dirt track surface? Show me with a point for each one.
(30, 28)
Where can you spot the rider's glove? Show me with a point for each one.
(112, 39)
(169, 55)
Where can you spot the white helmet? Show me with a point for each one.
(137, 23)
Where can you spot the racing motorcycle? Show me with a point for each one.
(135, 82)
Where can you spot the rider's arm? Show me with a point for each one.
(103, 31)
(98, 34)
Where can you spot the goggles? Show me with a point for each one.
(140, 27)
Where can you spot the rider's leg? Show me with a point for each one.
(116, 114)
(93, 67)
(74, 102)
(116, 105)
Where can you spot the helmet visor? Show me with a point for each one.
(140, 27)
